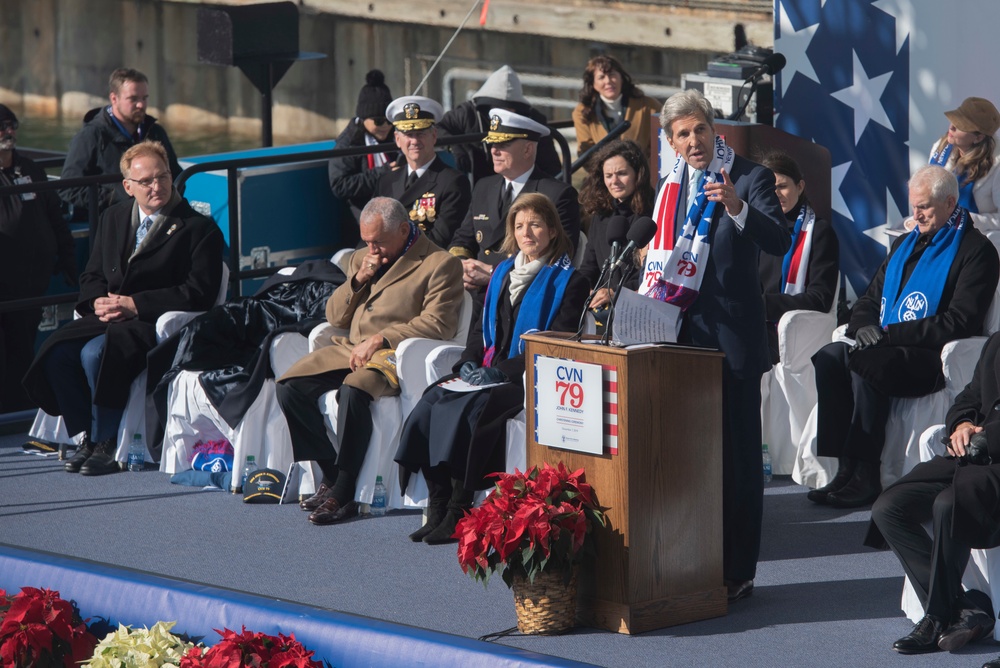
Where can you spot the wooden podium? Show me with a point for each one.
(659, 560)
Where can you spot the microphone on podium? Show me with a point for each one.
(617, 233)
(771, 65)
(640, 234)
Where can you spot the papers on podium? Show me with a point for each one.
(640, 319)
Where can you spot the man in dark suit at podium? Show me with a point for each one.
(435, 195)
(719, 211)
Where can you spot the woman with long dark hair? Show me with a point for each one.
(618, 185)
(609, 97)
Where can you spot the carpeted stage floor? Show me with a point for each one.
(821, 598)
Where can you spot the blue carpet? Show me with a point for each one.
(821, 598)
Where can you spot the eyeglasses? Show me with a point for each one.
(379, 120)
(159, 179)
(8, 125)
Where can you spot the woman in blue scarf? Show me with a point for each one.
(457, 438)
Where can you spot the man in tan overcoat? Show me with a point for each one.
(401, 286)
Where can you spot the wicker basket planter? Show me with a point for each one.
(547, 605)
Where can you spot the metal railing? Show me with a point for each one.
(231, 166)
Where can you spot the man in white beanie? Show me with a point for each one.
(502, 90)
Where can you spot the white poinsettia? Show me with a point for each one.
(139, 648)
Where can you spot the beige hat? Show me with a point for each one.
(975, 115)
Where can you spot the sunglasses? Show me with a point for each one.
(8, 125)
(379, 120)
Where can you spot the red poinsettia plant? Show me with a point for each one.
(530, 522)
(38, 629)
(249, 649)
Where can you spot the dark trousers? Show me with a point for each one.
(934, 564)
(71, 370)
(851, 413)
(17, 349)
(299, 401)
(742, 477)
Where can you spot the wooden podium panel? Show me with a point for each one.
(659, 560)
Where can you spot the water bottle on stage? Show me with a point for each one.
(136, 453)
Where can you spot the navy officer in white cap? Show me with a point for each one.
(513, 141)
(435, 195)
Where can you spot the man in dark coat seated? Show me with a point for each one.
(935, 287)
(151, 255)
(959, 493)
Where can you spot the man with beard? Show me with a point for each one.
(34, 243)
(108, 132)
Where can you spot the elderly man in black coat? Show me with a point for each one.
(151, 255)
(959, 493)
(935, 287)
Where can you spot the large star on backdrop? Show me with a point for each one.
(902, 11)
(863, 96)
(792, 44)
(837, 201)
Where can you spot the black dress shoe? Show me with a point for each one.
(970, 626)
(995, 663)
(862, 490)
(331, 512)
(845, 470)
(434, 517)
(83, 453)
(103, 461)
(737, 591)
(316, 500)
(923, 638)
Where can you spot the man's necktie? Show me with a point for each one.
(693, 180)
(411, 178)
(140, 233)
(508, 198)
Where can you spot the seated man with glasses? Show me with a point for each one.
(353, 177)
(152, 254)
(435, 195)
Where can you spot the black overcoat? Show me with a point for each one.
(179, 269)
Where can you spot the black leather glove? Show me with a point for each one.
(465, 371)
(485, 375)
(868, 336)
(977, 452)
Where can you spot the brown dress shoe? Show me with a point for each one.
(331, 512)
(317, 499)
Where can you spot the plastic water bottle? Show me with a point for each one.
(767, 464)
(136, 453)
(248, 470)
(378, 505)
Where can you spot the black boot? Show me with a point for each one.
(438, 492)
(862, 490)
(458, 504)
(83, 453)
(845, 469)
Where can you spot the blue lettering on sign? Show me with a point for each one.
(572, 375)
(655, 266)
(688, 255)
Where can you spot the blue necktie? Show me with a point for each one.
(140, 233)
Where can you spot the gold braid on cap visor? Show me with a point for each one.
(406, 125)
(494, 137)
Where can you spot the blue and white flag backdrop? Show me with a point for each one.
(871, 80)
